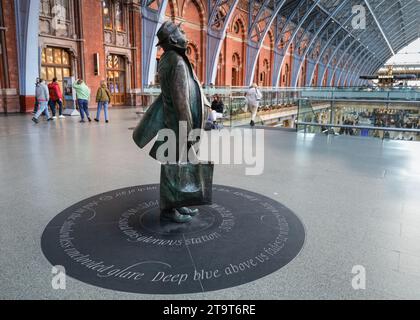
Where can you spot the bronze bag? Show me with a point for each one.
(186, 184)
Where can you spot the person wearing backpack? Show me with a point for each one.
(103, 98)
(253, 97)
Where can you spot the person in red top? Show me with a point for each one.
(56, 97)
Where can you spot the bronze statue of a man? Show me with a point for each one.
(181, 102)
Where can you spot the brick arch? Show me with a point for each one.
(194, 56)
(193, 17)
(221, 12)
(237, 69)
(199, 6)
(236, 59)
(172, 10)
(270, 36)
(238, 18)
(221, 70)
(195, 48)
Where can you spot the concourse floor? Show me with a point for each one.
(358, 198)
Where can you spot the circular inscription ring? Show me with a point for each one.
(117, 241)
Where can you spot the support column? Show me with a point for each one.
(278, 57)
(337, 77)
(297, 59)
(214, 44)
(329, 75)
(27, 26)
(151, 22)
(252, 52)
(321, 71)
(310, 69)
(215, 36)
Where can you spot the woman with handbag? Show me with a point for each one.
(103, 98)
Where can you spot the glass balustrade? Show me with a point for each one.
(319, 109)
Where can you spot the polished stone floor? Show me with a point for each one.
(359, 200)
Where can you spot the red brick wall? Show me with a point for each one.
(11, 101)
(136, 43)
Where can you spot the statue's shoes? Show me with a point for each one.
(175, 216)
(188, 211)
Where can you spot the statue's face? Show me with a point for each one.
(180, 37)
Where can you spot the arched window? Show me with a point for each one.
(266, 71)
(262, 78)
(286, 77)
(119, 16)
(113, 15)
(236, 66)
(237, 27)
(220, 71)
(107, 12)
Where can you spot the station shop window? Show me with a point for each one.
(55, 63)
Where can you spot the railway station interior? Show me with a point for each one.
(333, 211)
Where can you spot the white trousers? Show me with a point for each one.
(213, 116)
(254, 110)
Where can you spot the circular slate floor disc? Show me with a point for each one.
(117, 241)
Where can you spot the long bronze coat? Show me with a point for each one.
(181, 99)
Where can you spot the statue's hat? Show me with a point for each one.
(167, 28)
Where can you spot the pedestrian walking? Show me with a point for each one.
(36, 105)
(42, 96)
(83, 97)
(103, 98)
(56, 97)
(253, 97)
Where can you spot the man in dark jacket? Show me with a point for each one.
(217, 109)
(181, 103)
